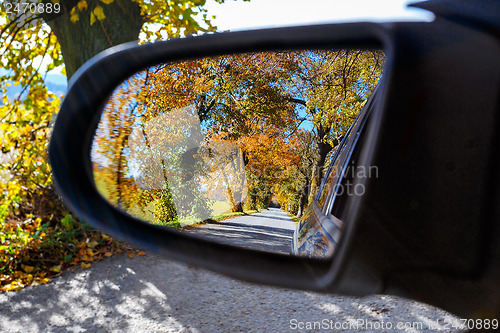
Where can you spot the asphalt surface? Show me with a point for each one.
(153, 294)
(269, 230)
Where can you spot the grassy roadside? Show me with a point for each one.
(295, 218)
(32, 252)
(219, 217)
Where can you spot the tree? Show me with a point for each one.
(332, 87)
(199, 124)
(64, 33)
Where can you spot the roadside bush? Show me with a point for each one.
(38, 237)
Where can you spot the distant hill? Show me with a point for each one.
(57, 88)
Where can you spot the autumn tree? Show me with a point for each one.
(38, 36)
(294, 191)
(284, 90)
(285, 111)
(232, 94)
(147, 154)
(332, 87)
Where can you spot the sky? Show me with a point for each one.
(238, 15)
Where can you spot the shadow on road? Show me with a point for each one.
(152, 294)
(269, 230)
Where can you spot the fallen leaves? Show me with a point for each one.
(21, 280)
(33, 252)
(56, 269)
(27, 269)
(133, 252)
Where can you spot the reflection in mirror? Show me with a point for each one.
(231, 148)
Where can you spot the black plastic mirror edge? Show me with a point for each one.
(69, 152)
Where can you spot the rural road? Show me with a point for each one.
(269, 230)
(153, 294)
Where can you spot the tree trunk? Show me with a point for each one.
(235, 206)
(251, 202)
(304, 195)
(80, 41)
(324, 149)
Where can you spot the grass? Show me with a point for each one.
(220, 217)
(220, 207)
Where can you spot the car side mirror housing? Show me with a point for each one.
(424, 225)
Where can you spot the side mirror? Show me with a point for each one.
(152, 145)
(117, 89)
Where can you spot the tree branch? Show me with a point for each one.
(298, 101)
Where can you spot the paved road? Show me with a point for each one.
(269, 230)
(153, 294)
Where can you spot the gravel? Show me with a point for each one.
(153, 294)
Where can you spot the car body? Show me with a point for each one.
(321, 227)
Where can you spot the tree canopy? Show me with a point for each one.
(283, 112)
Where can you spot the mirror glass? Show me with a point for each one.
(231, 148)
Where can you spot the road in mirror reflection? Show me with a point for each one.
(230, 148)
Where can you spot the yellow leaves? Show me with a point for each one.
(85, 254)
(41, 280)
(84, 265)
(141, 253)
(29, 279)
(19, 280)
(106, 238)
(92, 244)
(28, 269)
(74, 15)
(97, 13)
(13, 286)
(82, 5)
(108, 254)
(56, 269)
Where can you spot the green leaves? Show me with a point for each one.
(67, 222)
